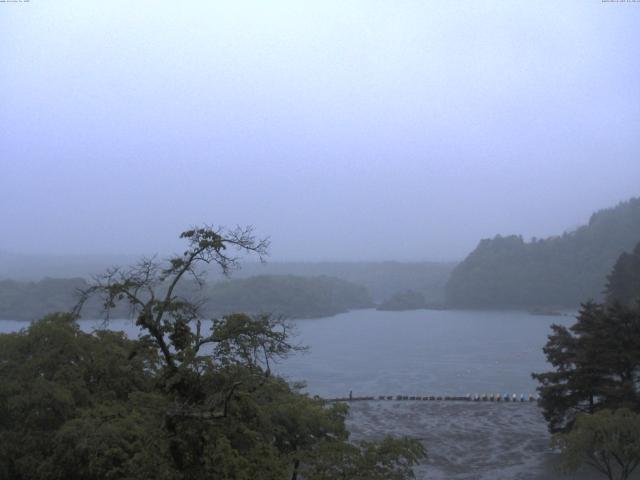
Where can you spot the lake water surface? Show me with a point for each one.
(416, 352)
(421, 352)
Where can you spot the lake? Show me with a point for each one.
(421, 352)
(416, 352)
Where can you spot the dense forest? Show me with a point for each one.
(287, 295)
(559, 271)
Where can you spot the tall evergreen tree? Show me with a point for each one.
(597, 365)
(623, 283)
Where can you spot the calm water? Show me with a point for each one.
(414, 352)
(421, 352)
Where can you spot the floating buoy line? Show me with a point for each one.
(496, 397)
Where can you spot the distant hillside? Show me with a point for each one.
(288, 295)
(32, 300)
(382, 279)
(291, 296)
(558, 271)
(22, 267)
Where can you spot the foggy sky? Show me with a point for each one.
(344, 130)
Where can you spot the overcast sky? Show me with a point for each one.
(345, 130)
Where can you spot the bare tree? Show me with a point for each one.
(149, 288)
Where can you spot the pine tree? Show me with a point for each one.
(623, 283)
(597, 365)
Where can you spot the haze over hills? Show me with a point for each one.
(287, 295)
(29, 267)
(382, 279)
(295, 290)
(282, 295)
(559, 271)
(502, 272)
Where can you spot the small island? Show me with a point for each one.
(404, 300)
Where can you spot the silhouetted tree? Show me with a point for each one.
(623, 283)
(596, 362)
(150, 289)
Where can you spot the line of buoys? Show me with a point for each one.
(492, 397)
(497, 397)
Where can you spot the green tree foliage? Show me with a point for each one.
(623, 283)
(554, 272)
(389, 459)
(606, 441)
(183, 401)
(50, 374)
(596, 362)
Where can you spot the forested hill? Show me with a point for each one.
(559, 271)
(383, 279)
(288, 295)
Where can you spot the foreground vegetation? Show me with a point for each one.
(591, 400)
(179, 402)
